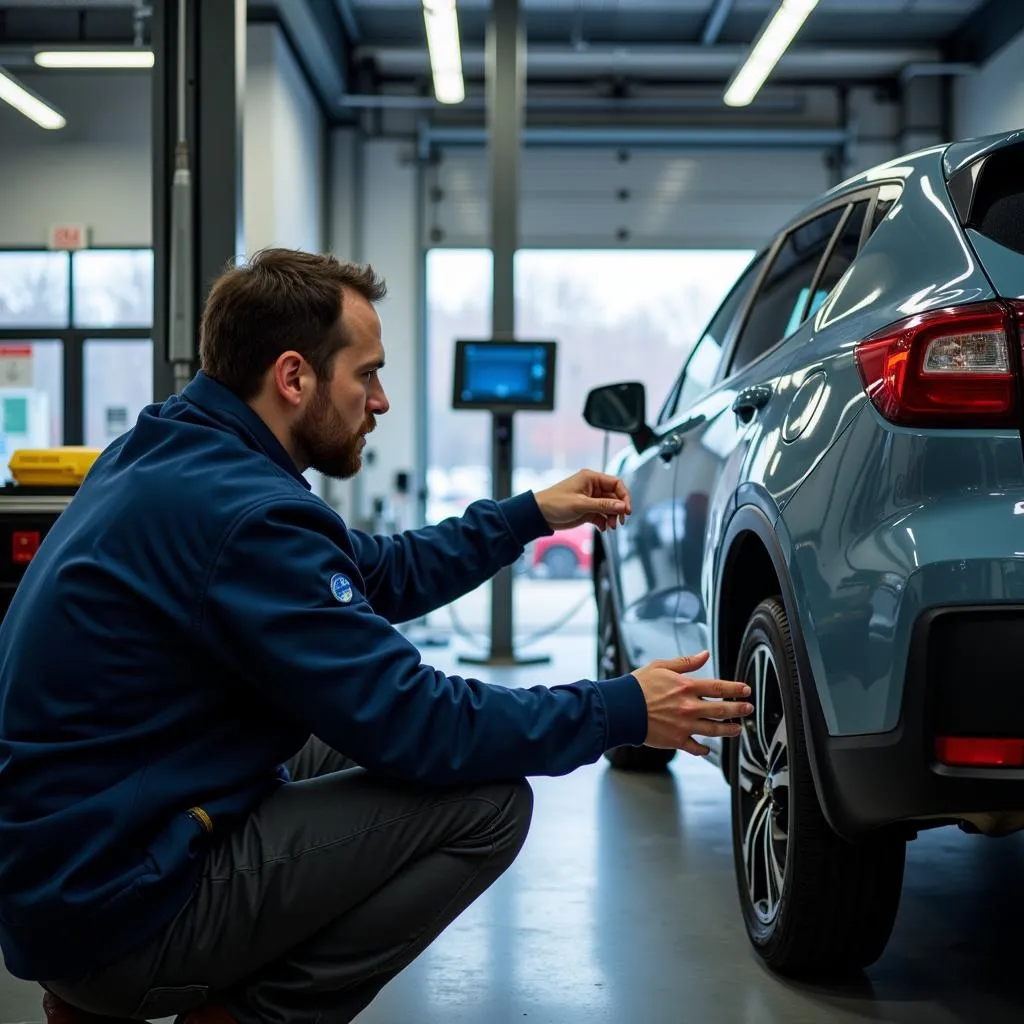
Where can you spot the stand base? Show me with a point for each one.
(505, 660)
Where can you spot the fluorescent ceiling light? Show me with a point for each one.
(28, 103)
(95, 59)
(769, 47)
(442, 23)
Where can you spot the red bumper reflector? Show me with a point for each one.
(24, 545)
(980, 753)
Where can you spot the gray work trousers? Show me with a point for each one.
(333, 885)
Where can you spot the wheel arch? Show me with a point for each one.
(753, 567)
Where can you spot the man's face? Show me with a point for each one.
(331, 432)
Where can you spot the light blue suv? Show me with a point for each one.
(831, 501)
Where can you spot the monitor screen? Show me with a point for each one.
(505, 375)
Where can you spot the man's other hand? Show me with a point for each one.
(678, 707)
(587, 497)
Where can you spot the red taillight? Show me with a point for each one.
(24, 545)
(947, 368)
(967, 751)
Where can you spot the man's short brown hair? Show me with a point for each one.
(278, 300)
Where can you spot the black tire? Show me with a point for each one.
(836, 905)
(561, 563)
(611, 663)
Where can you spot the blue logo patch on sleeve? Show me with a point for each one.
(341, 588)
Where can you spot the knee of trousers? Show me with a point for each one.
(514, 799)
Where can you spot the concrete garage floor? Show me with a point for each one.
(622, 907)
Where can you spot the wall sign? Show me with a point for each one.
(69, 236)
(15, 366)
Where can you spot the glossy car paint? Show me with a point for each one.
(872, 523)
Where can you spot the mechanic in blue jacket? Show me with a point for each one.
(202, 653)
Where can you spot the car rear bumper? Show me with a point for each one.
(962, 680)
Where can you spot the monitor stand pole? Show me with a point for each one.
(502, 636)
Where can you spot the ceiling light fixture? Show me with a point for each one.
(769, 46)
(28, 103)
(442, 24)
(95, 59)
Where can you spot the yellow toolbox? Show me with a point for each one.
(52, 467)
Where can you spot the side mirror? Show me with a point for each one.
(620, 409)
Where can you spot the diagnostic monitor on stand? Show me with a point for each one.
(503, 378)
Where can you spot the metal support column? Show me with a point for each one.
(211, 233)
(506, 60)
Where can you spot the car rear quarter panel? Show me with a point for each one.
(879, 523)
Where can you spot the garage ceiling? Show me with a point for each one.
(378, 46)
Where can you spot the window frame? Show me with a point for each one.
(73, 340)
(847, 199)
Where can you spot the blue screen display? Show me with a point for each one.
(494, 372)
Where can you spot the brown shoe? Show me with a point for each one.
(56, 1011)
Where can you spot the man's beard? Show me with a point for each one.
(323, 442)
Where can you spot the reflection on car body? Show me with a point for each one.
(829, 501)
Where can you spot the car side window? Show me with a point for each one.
(888, 194)
(702, 366)
(843, 254)
(778, 306)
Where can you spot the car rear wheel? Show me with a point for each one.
(611, 663)
(812, 902)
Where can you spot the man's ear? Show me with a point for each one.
(288, 372)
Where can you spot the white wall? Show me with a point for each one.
(993, 99)
(284, 148)
(386, 237)
(96, 171)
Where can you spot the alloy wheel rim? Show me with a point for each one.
(764, 790)
(607, 645)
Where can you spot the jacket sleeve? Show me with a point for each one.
(283, 609)
(414, 573)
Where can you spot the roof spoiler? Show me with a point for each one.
(965, 165)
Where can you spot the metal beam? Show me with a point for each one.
(717, 18)
(348, 19)
(505, 92)
(506, 48)
(211, 230)
(986, 31)
(314, 31)
(635, 138)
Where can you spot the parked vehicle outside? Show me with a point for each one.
(564, 556)
(831, 501)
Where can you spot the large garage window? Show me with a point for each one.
(633, 315)
(76, 362)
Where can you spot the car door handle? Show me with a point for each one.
(750, 400)
(670, 447)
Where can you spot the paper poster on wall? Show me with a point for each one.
(15, 366)
(24, 423)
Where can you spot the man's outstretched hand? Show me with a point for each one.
(678, 707)
(587, 497)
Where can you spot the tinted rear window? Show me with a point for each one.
(998, 210)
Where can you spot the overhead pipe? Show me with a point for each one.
(935, 69)
(712, 63)
(392, 101)
(627, 138)
(716, 22)
(348, 18)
